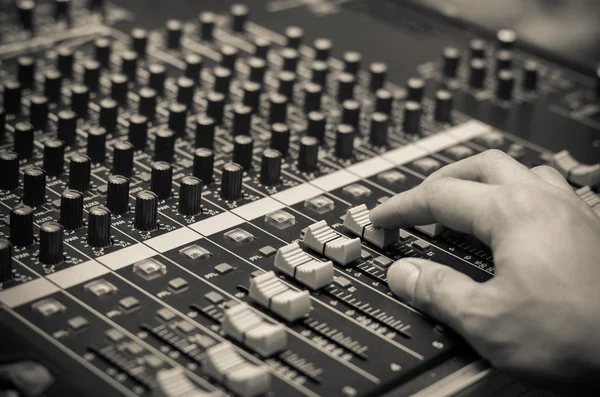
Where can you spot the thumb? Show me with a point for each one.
(436, 290)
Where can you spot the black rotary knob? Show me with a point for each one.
(344, 141)
(34, 186)
(12, 97)
(258, 68)
(5, 260)
(308, 154)
(384, 101)
(80, 100)
(205, 132)
(294, 36)
(345, 86)
(278, 105)
(504, 85)
(477, 48)
(450, 62)
(146, 209)
(252, 92)
(178, 118)
(243, 147)
(64, 62)
(204, 160)
(119, 88)
(286, 80)
(174, 31)
(2, 125)
(137, 131)
(231, 182)
(415, 87)
(186, 89)
(379, 129)
(21, 225)
(96, 144)
(162, 179)
(352, 61)
(351, 113)
(71, 209)
(322, 48)
(51, 243)
(290, 58)
(99, 218)
(26, 71)
(378, 74)
(316, 125)
(222, 82)
(80, 167)
(504, 60)
(53, 85)
(206, 25)
(242, 119)
(26, 15)
(443, 105)
(117, 194)
(91, 74)
(412, 117)
(9, 163)
(109, 112)
(54, 157)
(280, 138)
(129, 65)
(23, 144)
(102, 51)
(270, 167)
(164, 145)
(313, 94)
(215, 106)
(478, 70)
(530, 75)
(190, 196)
(262, 46)
(239, 16)
(38, 112)
(67, 126)
(506, 38)
(123, 158)
(193, 67)
(157, 74)
(139, 41)
(318, 72)
(147, 102)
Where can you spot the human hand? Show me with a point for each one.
(539, 317)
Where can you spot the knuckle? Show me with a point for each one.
(493, 156)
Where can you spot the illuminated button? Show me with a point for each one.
(223, 268)
(427, 165)
(100, 287)
(421, 246)
(342, 282)
(194, 252)
(114, 335)
(357, 221)
(323, 239)
(149, 269)
(294, 262)
(267, 251)
(357, 190)
(432, 230)
(133, 348)
(280, 219)
(392, 176)
(239, 236)
(271, 293)
(213, 297)
(178, 284)
(165, 314)
(319, 204)
(185, 327)
(129, 303)
(491, 139)
(78, 323)
(459, 152)
(47, 307)
(382, 261)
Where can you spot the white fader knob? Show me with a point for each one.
(294, 262)
(173, 382)
(271, 293)
(245, 326)
(323, 239)
(357, 221)
(225, 365)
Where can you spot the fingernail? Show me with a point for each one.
(402, 278)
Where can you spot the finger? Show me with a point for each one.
(457, 204)
(436, 290)
(492, 166)
(552, 176)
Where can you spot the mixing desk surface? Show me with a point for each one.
(186, 186)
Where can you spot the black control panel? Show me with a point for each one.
(186, 186)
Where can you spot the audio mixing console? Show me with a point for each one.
(185, 194)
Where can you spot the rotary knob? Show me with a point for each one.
(308, 154)
(379, 129)
(415, 88)
(242, 119)
(71, 209)
(504, 85)
(23, 144)
(146, 209)
(139, 41)
(243, 147)
(215, 106)
(54, 157)
(137, 132)
(344, 141)
(412, 117)
(278, 105)
(80, 100)
(9, 163)
(12, 97)
(378, 75)
(280, 138)
(67, 126)
(117, 195)
(157, 76)
(239, 16)
(119, 88)
(21, 226)
(51, 243)
(5, 260)
(186, 88)
(80, 172)
(270, 167)
(147, 102)
(26, 67)
(174, 31)
(205, 132)
(53, 85)
(316, 125)
(162, 179)
(96, 144)
(204, 160)
(99, 218)
(38, 112)
(231, 182)
(34, 187)
(206, 22)
(190, 196)
(443, 105)
(164, 145)
(123, 159)
(109, 112)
